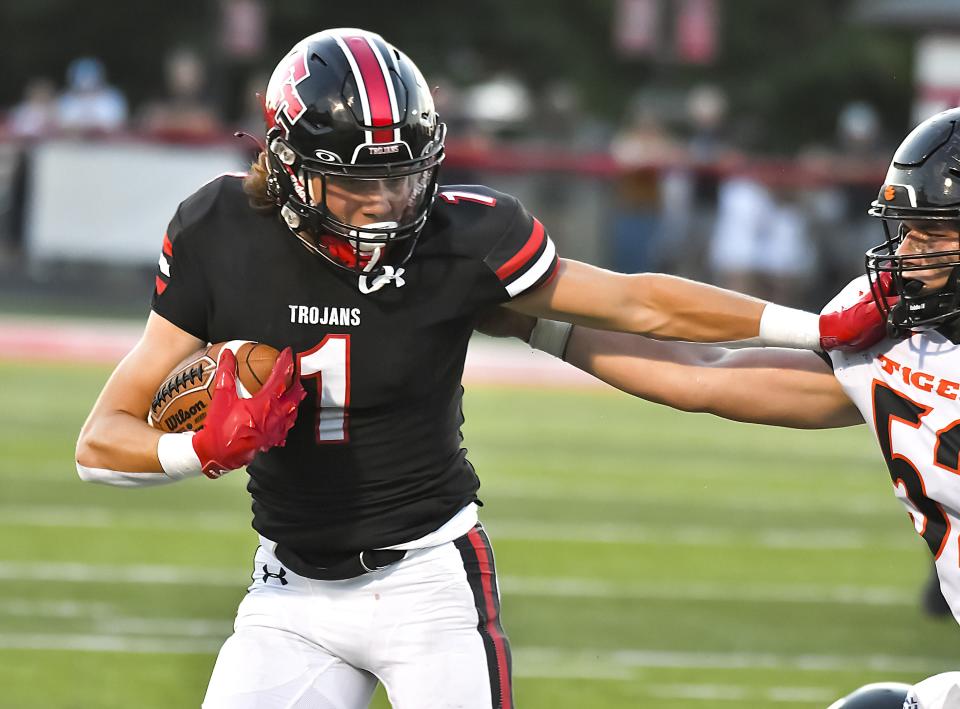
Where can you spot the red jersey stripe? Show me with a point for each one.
(167, 246)
(553, 273)
(524, 255)
(378, 97)
(493, 625)
(161, 286)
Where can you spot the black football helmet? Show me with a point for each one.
(922, 185)
(346, 112)
(880, 695)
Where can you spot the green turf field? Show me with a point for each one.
(648, 559)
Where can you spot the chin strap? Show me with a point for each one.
(922, 312)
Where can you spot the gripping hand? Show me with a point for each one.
(863, 324)
(236, 429)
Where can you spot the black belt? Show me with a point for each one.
(363, 562)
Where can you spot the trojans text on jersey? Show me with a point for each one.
(315, 315)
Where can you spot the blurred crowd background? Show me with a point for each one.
(734, 141)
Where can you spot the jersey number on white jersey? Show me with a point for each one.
(890, 408)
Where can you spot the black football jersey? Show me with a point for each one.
(375, 458)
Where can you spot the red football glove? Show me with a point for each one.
(860, 326)
(236, 429)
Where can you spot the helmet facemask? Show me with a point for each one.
(919, 307)
(319, 195)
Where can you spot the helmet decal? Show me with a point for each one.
(327, 156)
(284, 104)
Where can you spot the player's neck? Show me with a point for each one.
(951, 330)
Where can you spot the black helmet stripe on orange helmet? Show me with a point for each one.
(346, 109)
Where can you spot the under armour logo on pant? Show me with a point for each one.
(279, 577)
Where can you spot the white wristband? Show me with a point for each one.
(177, 457)
(788, 327)
(551, 336)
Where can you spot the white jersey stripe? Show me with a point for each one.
(535, 272)
(361, 87)
(394, 108)
(164, 266)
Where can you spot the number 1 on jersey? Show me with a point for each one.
(329, 364)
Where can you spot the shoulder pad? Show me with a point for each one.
(851, 293)
(224, 190)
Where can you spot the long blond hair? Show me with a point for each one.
(255, 186)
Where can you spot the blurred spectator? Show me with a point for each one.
(690, 188)
(643, 147)
(706, 111)
(186, 110)
(36, 114)
(561, 120)
(858, 132)
(854, 166)
(89, 104)
(448, 100)
(243, 36)
(760, 242)
(499, 107)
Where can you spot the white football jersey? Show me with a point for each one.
(938, 692)
(907, 391)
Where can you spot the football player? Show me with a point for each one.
(940, 691)
(879, 695)
(905, 387)
(340, 248)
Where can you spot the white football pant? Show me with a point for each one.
(427, 627)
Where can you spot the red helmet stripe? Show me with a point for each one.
(374, 79)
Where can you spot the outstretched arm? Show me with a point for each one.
(655, 304)
(772, 386)
(671, 308)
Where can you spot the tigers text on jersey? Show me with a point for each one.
(907, 391)
(375, 458)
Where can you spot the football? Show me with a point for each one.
(182, 400)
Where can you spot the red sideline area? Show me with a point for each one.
(105, 342)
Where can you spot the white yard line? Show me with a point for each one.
(553, 662)
(565, 492)
(592, 588)
(531, 586)
(652, 658)
(29, 608)
(735, 692)
(78, 642)
(566, 531)
(78, 572)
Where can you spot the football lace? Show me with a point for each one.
(186, 378)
